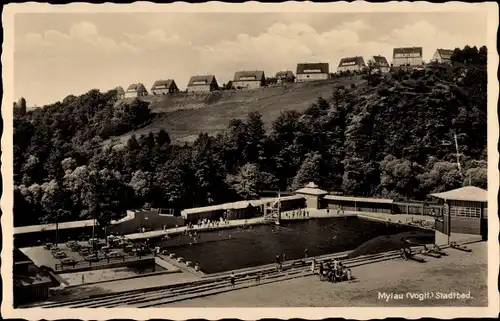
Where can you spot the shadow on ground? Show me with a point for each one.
(387, 243)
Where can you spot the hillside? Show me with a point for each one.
(390, 136)
(185, 116)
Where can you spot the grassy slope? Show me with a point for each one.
(185, 117)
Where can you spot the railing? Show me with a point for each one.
(100, 262)
(417, 209)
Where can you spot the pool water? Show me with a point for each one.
(224, 250)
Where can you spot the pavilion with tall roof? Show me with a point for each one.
(465, 215)
(313, 195)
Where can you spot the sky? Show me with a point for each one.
(58, 54)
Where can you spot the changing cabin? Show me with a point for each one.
(465, 215)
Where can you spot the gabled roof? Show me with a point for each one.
(306, 68)
(445, 53)
(359, 61)
(257, 74)
(287, 74)
(201, 80)
(136, 87)
(311, 189)
(467, 193)
(407, 50)
(163, 84)
(380, 61)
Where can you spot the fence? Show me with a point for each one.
(417, 209)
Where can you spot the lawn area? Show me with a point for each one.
(459, 271)
(187, 117)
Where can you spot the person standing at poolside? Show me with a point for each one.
(305, 253)
(232, 280)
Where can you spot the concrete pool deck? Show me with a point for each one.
(458, 271)
(181, 229)
(374, 283)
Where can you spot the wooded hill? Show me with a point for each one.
(393, 136)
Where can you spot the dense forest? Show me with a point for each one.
(390, 137)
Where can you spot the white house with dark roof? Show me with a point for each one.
(163, 87)
(285, 76)
(408, 56)
(202, 84)
(249, 79)
(442, 55)
(312, 72)
(351, 64)
(381, 64)
(136, 90)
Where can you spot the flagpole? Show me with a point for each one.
(279, 208)
(93, 238)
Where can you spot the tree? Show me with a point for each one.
(232, 144)
(443, 176)
(253, 150)
(208, 173)
(141, 182)
(398, 177)
(21, 106)
(105, 197)
(174, 181)
(285, 154)
(310, 171)
(248, 182)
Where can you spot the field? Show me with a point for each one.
(185, 116)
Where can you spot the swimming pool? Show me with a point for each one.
(224, 250)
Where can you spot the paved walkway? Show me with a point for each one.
(290, 215)
(180, 229)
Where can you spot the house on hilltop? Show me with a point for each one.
(163, 87)
(136, 90)
(407, 57)
(312, 72)
(381, 64)
(202, 84)
(285, 76)
(442, 55)
(352, 64)
(249, 79)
